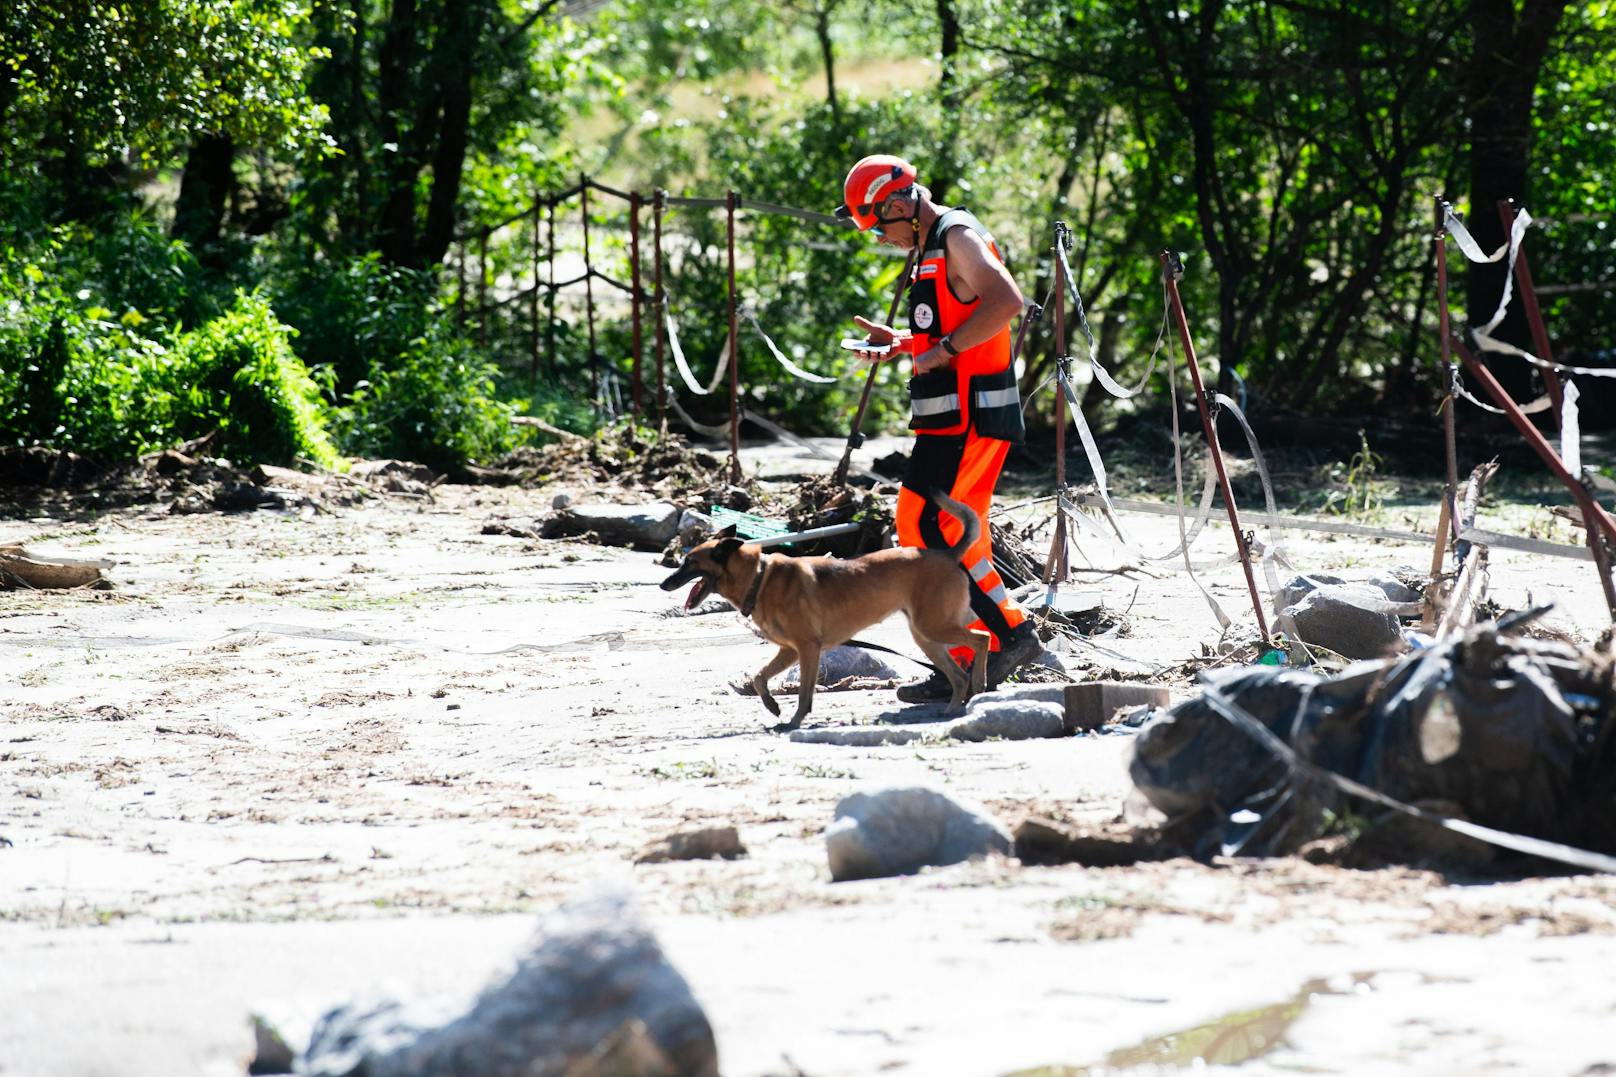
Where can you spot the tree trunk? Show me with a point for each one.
(828, 56)
(1506, 58)
(946, 166)
(206, 185)
(461, 31)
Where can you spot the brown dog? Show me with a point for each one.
(808, 604)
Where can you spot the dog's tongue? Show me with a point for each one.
(695, 592)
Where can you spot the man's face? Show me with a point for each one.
(893, 226)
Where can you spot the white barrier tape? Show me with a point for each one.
(1542, 403)
(1107, 382)
(785, 435)
(792, 368)
(1570, 432)
(1275, 535)
(1178, 502)
(720, 432)
(679, 355)
(1485, 341)
(1086, 436)
(1237, 716)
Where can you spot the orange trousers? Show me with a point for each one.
(966, 467)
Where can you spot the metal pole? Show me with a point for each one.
(1597, 523)
(1055, 564)
(854, 437)
(460, 293)
(634, 281)
(482, 292)
(1173, 270)
(656, 317)
(533, 304)
(589, 298)
(1449, 516)
(1534, 316)
(550, 298)
(734, 349)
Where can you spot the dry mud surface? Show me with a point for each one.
(295, 755)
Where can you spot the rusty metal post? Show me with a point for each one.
(460, 293)
(589, 298)
(634, 295)
(734, 349)
(482, 291)
(550, 289)
(1173, 270)
(1597, 523)
(656, 317)
(1507, 211)
(1448, 518)
(533, 302)
(1055, 569)
(855, 437)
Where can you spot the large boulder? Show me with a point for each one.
(899, 831)
(591, 994)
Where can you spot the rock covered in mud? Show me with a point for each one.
(1010, 719)
(901, 830)
(592, 993)
(704, 843)
(1333, 617)
(647, 527)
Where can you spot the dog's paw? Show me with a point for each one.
(786, 727)
(774, 708)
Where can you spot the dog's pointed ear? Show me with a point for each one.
(726, 547)
(727, 533)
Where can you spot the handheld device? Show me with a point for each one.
(864, 347)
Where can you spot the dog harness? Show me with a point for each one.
(977, 390)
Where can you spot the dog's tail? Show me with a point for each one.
(965, 515)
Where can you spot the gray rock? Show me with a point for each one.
(1019, 693)
(1011, 719)
(646, 527)
(592, 993)
(862, 737)
(840, 663)
(694, 527)
(705, 843)
(1394, 588)
(1329, 618)
(561, 501)
(1299, 587)
(899, 831)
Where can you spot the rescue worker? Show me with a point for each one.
(964, 408)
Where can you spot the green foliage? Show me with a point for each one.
(435, 404)
(238, 375)
(76, 380)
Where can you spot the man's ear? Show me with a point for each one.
(726, 547)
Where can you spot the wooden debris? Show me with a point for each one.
(20, 569)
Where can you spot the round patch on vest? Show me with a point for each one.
(923, 316)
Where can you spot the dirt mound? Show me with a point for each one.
(628, 459)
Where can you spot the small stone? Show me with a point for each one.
(707, 843)
(560, 501)
(1011, 719)
(899, 831)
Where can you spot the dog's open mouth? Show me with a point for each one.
(698, 593)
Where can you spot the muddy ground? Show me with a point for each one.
(303, 752)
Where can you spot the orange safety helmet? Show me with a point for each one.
(873, 180)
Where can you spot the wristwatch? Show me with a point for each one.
(948, 346)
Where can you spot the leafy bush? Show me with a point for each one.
(435, 404)
(238, 375)
(354, 316)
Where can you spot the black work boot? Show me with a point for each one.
(1015, 650)
(933, 689)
